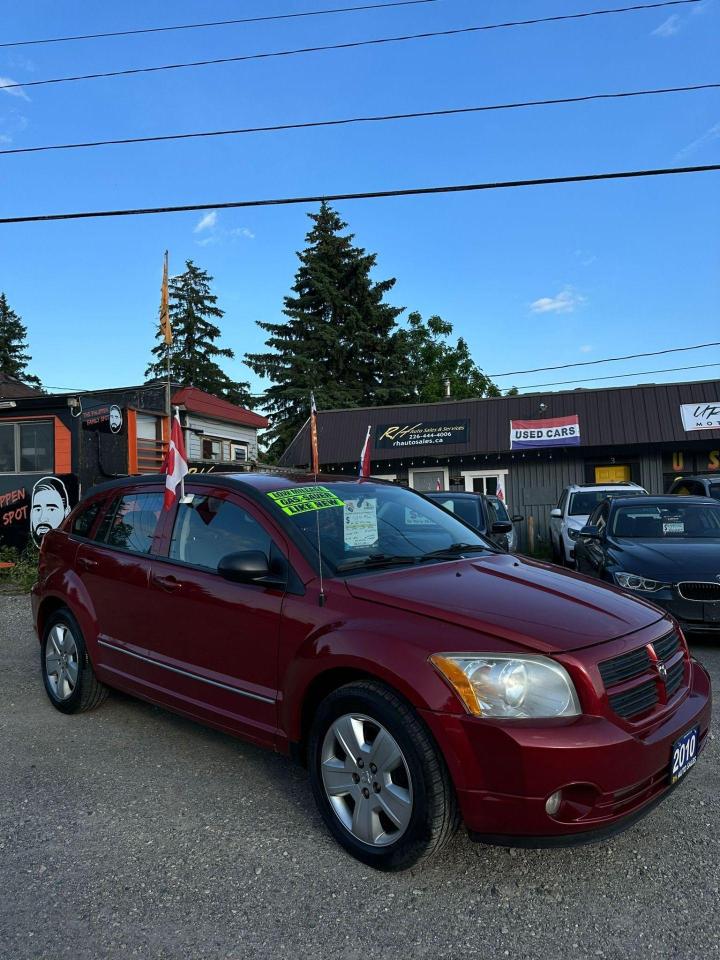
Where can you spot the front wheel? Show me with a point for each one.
(67, 673)
(379, 781)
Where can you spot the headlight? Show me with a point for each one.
(573, 534)
(633, 581)
(521, 687)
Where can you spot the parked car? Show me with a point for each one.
(696, 487)
(662, 548)
(422, 674)
(575, 505)
(488, 515)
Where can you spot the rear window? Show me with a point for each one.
(714, 490)
(582, 504)
(468, 510)
(85, 517)
(131, 521)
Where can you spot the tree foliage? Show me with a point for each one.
(14, 356)
(194, 353)
(339, 336)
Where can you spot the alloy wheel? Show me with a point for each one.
(61, 661)
(366, 779)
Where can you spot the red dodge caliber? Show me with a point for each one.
(424, 676)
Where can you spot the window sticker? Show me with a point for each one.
(673, 526)
(297, 500)
(360, 522)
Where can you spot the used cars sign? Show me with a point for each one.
(556, 432)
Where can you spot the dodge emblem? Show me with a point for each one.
(662, 670)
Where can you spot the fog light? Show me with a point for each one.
(552, 804)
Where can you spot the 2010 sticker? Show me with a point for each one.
(295, 500)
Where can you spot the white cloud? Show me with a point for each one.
(207, 222)
(702, 141)
(586, 348)
(242, 232)
(564, 302)
(12, 91)
(5, 139)
(667, 28)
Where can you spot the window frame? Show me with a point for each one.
(17, 445)
(112, 499)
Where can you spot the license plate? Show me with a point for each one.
(684, 754)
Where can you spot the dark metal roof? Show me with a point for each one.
(11, 388)
(609, 417)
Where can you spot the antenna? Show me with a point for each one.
(321, 598)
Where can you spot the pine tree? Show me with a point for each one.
(193, 352)
(339, 339)
(14, 357)
(431, 361)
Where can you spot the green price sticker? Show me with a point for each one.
(296, 500)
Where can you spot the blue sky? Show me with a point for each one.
(529, 277)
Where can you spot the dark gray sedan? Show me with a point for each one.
(664, 549)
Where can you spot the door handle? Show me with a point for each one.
(167, 583)
(86, 563)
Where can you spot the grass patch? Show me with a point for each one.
(23, 574)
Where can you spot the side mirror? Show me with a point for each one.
(518, 518)
(556, 512)
(501, 526)
(590, 532)
(248, 566)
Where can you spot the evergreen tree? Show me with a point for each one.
(193, 352)
(339, 339)
(14, 356)
(430, 361)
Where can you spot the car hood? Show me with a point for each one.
(522, 601)
(668, 560)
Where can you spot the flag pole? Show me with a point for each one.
(166, 331)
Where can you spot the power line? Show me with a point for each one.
(306, 125)
(351, 44)
(590, 363)
(218, 23)
(618, 376)
(367, 195)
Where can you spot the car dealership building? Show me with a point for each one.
(528, 448)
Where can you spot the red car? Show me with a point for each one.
(424, 676)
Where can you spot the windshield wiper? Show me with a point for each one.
(457, 549)
(378, 560)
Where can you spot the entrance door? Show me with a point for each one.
(490, 482)
(614, 474)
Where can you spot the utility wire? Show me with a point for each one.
(589, 363)
(306, 125)
(618, 376)
(368, 195)
(218, 23)
(350, 45)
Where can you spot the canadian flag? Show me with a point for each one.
(364, 467)
(175, 467)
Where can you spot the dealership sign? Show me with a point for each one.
(700, 416)
(557, 432)
(421, 434)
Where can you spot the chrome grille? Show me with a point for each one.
(624, 667)
(674, 678)
(666, 646)
(635, 701)
(636, 698)
(704, 591)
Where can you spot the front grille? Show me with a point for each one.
(635, 701)
(701, 590)
(624, 667)
(666, 646)
(674, 678)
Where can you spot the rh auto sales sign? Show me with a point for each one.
(557, 432)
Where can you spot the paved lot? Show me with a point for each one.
(129, 832)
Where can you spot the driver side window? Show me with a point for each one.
(209, 528)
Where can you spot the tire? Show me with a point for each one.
(75, 688)
(410, 770)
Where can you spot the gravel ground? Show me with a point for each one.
(129, 832)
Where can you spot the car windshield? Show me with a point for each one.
(676, 521)
(582, 504)
(467, 508)
(370, 524)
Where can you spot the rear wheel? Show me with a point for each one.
(67, 673)
(379, 781)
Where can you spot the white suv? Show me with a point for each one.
(571, 514)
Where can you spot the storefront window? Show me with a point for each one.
(26, 447)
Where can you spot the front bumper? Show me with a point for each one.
(692, 615)
(504, 772)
